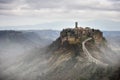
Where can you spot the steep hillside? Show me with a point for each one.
(86, 57)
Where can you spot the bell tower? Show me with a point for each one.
(76, 24)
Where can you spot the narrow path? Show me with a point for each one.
(89, 56)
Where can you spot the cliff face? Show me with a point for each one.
(72, 38)
(78, 35)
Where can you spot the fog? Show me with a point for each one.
(23, 60)
(19, 62)
(112, 53)
(23, 57)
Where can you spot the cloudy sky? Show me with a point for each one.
(103, 14)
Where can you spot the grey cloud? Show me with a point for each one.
(59, 4)
(115, 0)
(9, 4)
(6, 1)
(66, 6)
(38, 4)
(115, 7)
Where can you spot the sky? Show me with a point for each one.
(58, 14)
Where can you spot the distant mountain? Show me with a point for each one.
(59, 25)
(33, 38)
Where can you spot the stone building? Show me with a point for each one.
(78, 34)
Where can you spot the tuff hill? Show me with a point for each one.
(74, 37)
(79, 54)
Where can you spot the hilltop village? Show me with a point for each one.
(78, 35)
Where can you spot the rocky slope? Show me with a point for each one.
(86, 60)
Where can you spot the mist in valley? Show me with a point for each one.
(113, 43)
(23, 53)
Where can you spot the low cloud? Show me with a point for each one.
(6, 1)
(62, 9)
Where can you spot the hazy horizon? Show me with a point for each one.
(62, 25)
